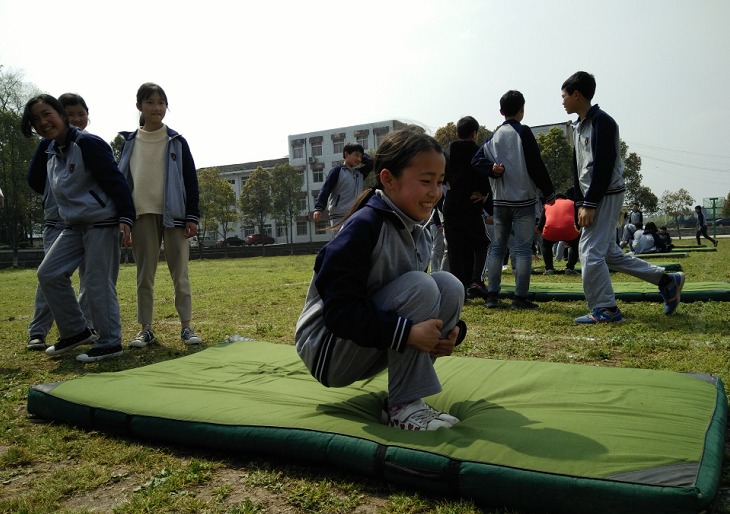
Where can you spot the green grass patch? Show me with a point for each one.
(51, 468)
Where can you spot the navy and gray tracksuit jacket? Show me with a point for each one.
(374, 247)
(85, 182)
(342, 187)
(514, 146)
(181, 179)
(597, 166)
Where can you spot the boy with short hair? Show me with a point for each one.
(702, 226)
(663, 240)
(511, 159)
(466, 235)
(343, 185)
(636, 215)
(599, 192)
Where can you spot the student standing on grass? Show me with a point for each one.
(343, 185)
(702, 226)
(465, 233)
(599, 193)
(78, 116)
(160, 170)
(95, 206)
(511, 158)
(371, 305)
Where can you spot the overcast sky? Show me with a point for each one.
(241, 76)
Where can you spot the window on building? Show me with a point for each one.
(339, 147)
(321, 226)
(318, 175)
(379, 139)
(301, 175)
(232, 181)
(302, 228)
(247, 231)
(317, 149)
(298, 152)
(281, 231)
(364, 142)
(267, 229)
(243, 181)
(302, 204)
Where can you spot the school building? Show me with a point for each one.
(313, 154)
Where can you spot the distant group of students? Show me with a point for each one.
(371, 306)
(91, 204)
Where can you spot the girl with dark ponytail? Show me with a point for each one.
(371, 305)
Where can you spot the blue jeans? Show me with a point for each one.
(522, 221)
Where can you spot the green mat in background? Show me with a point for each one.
(536, 436)
(626, 291)
(560, 267)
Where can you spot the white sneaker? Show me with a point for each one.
(417, 415)
(188, 336)
(144, 337)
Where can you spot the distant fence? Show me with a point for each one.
(32, 258)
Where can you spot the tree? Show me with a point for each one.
(255, 199)
(675, 205)
(117, 144)
(217, 203)
(647, 200)
(22, 215)
(447, 135)
(286, 186)
(726, 207)
(557, 154)
(632, 174)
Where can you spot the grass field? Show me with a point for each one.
(51, 468)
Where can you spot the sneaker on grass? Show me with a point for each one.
(64, 345)
(569, 271)
(36, 343)
(188, 336)
(477, 290)
(417, 415)
(600, 315)
(99, 354)
(492, 301)
(671, 293)
(144, 337)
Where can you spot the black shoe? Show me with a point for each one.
(462, 332)
(492, 301)
(64, 345)
(477, 290)
(36, 343)
(99, 354)
(523, 304)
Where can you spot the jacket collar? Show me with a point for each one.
(128, 136)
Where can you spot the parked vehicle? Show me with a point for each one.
(722, 222)
(206, 241)
(229, 241)
(259, 239)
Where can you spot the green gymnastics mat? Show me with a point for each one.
(560, 269)
(667, 255)
(626, 291)
(703, 249)
(535, 436)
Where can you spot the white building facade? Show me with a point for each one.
(313, 155)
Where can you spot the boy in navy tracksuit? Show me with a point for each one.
(599, 194)
(702, 226)
(465, 232)
(95, 204)
(343, 185)
(511, 158)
